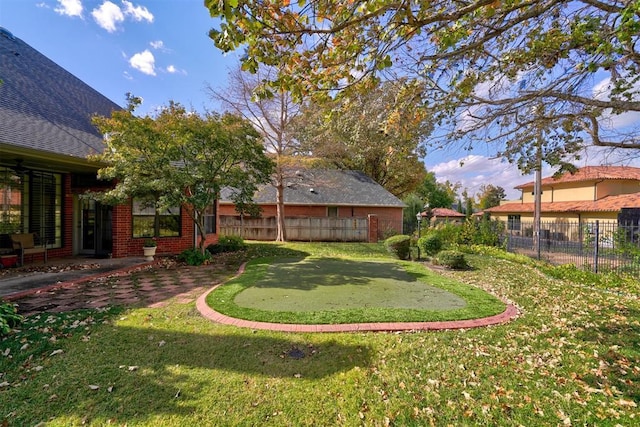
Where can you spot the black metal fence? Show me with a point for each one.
(596, 246)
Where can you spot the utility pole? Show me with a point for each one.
(537, 195)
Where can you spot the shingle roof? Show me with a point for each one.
(591, 173)
(606, 204)
(326, 187)
(43, 106)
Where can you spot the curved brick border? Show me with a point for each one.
(510, 313)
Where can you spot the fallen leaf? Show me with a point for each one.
(629, 403)
(58, 351)
(94, 387)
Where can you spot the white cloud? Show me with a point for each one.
(108, 15)
(69, 8)
(158, 44)
(138, 13)
(144, 62)
(171, 69)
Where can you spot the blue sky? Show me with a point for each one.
(159, 50)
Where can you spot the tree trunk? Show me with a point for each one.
(280, 227)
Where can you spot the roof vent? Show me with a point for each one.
(7, 34)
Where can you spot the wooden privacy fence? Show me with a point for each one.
(298, 229)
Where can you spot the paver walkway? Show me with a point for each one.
(157, 285)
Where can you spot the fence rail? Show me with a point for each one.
(596, 246)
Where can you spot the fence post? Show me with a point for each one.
(596, 249)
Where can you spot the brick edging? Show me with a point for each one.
(510, 313)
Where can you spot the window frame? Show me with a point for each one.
(141, 208)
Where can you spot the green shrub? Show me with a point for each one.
(449, 233)
(9, 317)
(430, 244)
(193, 256)
(451, 259)
(399, 246)
(227, 244)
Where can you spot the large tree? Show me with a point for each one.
(437, 194)
(490, 195)
(540, 78)
(377, 131)
(272, 117)
(180, 158)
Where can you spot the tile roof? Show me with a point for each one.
(326, 187)
(591, 173)
(440, 212)
(43, 106)
(606, 204)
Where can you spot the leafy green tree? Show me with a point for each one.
(377, 131)
(437, 194)
(486, 67)
(180, 158)
(490, 196)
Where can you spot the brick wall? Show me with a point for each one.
(125, 245)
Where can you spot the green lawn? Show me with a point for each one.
(572, 358)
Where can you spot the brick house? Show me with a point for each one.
(320, 198)
(46, 135)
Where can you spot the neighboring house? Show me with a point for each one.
(320, 204)
(46, 135)
(592, 193)
(439, 215)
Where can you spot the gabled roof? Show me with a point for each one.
(591, 173)
(325, 187)
(606, 204)
(44, 107)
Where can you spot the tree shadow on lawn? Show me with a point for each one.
(309, 273)
(149, 379)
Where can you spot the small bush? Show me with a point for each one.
(451, 259)
(194, 256)
(430, 244)
(227, 244)
(9, 317)
(398, 246)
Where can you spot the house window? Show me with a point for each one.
(210, 219)
(10, 202)
(32, 203)
(332, 211)
(513, 222)
(149, 222)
